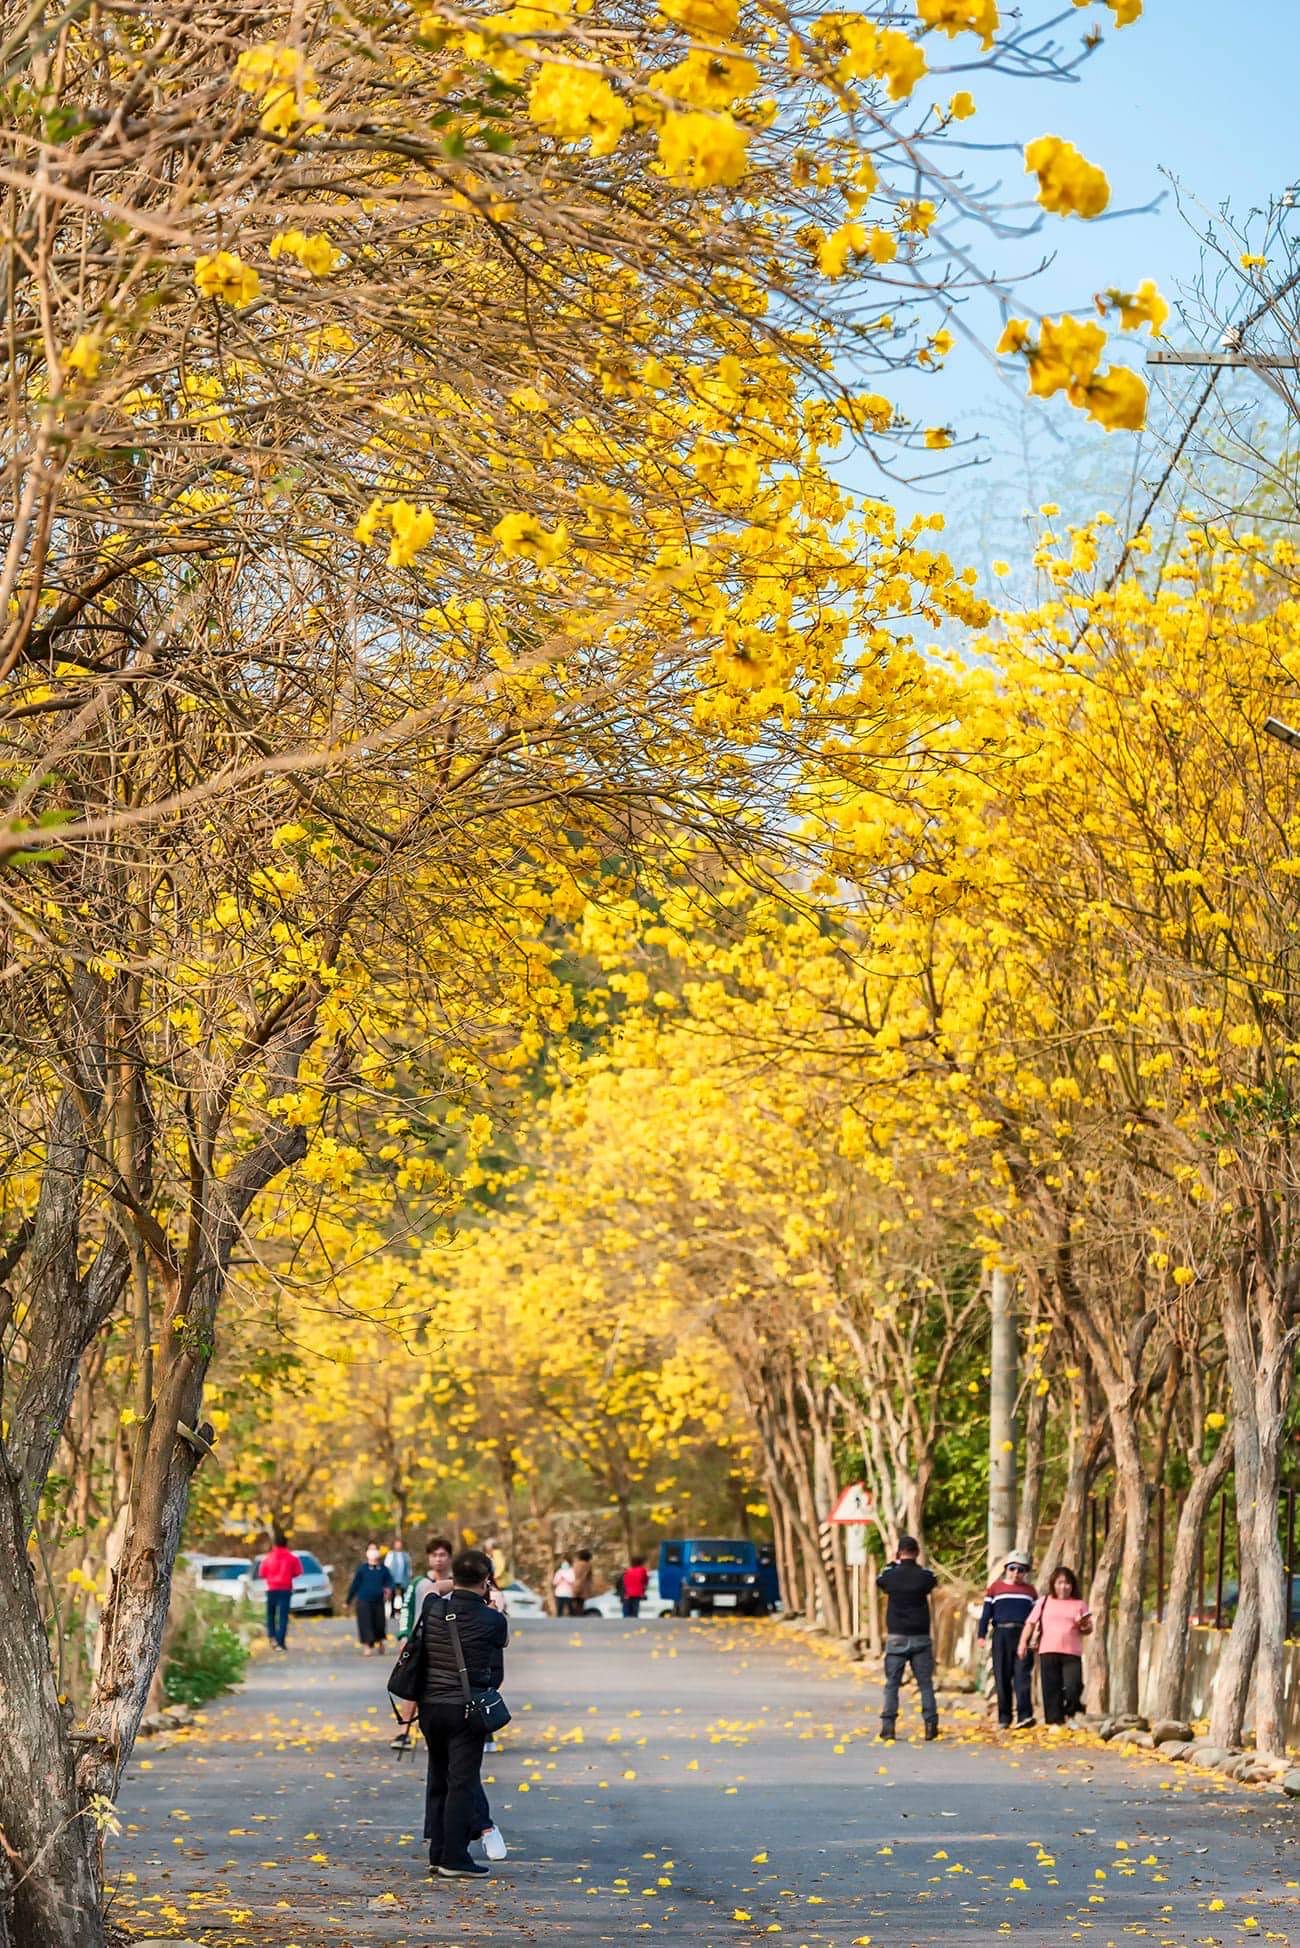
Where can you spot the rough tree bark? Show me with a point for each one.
(51, 1848)
(171, 1446)
(1087, 1451)
(1260, 1530)
(1236, 1669)
(1170, 1683)
(1132, 1513)
(48, 1841)
(1033, 1471)
(1099, 1600)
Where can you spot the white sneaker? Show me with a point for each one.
(494, 1845)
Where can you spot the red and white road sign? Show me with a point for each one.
(853, 1504)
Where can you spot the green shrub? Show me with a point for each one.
(207, 1655)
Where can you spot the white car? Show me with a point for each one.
(219, 1575)
(607, 1604)
(312, 1593)
(522, 1601)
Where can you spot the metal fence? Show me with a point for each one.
(1219, 1554)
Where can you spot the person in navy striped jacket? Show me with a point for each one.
(1007, 1602)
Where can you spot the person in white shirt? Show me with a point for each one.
(564, 1583)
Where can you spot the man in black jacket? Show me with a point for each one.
(907, 1634)
(454, 1793)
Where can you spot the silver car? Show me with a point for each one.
(522, 1601)
(312, 1593)
(610, 1604)
(219, 1575)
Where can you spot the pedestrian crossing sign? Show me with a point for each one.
(853, 1504)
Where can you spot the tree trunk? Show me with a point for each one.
(804, 1514)
(135, 1619)
(627, 1524)
(49, 1841)
(1232, 1680)
(171, 1444)
(1171, 1671)
(1068, 1541)
(787, 1561)
(1272, 1391)
(825, 1488)
(1133, 1513)
(1099, 1599)
(1035, 1466)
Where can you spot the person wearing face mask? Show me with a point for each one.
(370, 1589)
(1008, 1601)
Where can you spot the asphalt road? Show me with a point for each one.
(706, 1782)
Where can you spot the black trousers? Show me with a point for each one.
(372, 1619)
(900, 1651)
(1012, 1675)
(1062, 1685)
(455, 1805)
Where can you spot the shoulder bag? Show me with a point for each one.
(484, 1708)
(406, 1679)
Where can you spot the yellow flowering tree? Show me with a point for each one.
(420, 446)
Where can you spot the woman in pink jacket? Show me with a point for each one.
(1056, 1628)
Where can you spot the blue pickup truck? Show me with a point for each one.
(707, 1574)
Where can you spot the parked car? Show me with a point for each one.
(522, 1601)
(312, 1594)
(610, 1604)
(708, 1574)
(218, 1575)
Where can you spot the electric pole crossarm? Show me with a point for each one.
(1255, 361)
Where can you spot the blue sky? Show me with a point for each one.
(1204, 88)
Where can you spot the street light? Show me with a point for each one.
(1282, 732)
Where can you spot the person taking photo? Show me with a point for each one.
(908, 1635)
(455, 1806)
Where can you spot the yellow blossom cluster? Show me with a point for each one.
(1066, 357)
(961, 17)
(225, 277)
(410, 529)
(313, 250)
(1068, 184)
(284, 84)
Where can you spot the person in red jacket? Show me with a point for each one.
(279, 1567)
(635, 1581)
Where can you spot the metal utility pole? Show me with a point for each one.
(1004, 1383)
